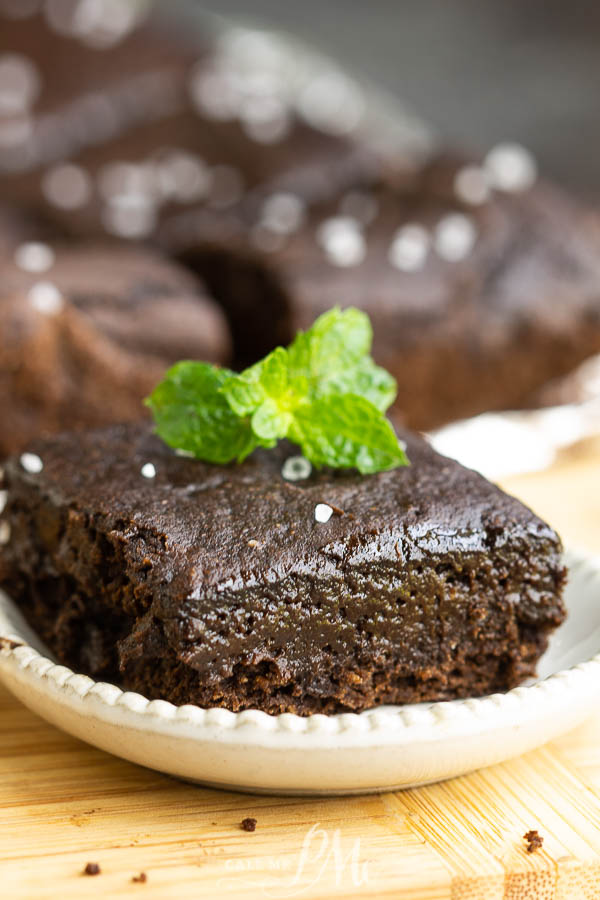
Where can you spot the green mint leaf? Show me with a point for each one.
(265, 393)
(333, 355)
(324, 393)
(269, 422)
(337, 340)
(366, 379)
(346, 431)
(192, 414)
(266, 379)
(330, 358)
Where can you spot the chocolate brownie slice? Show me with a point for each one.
(158, 117)
(235, 586)
(87, 331)
(482, 283)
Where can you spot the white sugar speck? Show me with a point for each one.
(454, 237)
(510, 167)
(32, 463)
(472, 185)
(4, 532)
(130, 215)
(409, 248)
(67, 186)
(265, 119)
(97, 23)
(342, 240)
(323, 512)
(183, 176)
(296, 468)
(148, 470)
(45, 298)
(19, 83)
(120, 179)
(332, 103)
(131, 192)
(282, 213)
(213, 93)
(34, 257)
(3, 499)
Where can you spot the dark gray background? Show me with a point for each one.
(479, 70)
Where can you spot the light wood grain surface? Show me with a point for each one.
(64, 804)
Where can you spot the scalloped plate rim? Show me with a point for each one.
(314, 754)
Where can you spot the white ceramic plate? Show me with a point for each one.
(383, 749)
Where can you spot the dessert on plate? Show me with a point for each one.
(223, 586)
(207, 563)
(255, 577)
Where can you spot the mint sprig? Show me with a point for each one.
(192, 414)
(323, 392)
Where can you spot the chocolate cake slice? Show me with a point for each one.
(86, 332)
(481, 281)
(265, 585)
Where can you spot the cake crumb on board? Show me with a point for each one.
(534, 840)
(92, 868)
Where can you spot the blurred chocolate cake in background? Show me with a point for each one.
(88, 330)
(109, 124)
(286, 188)
(481, 280)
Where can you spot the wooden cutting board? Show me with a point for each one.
(64, 804)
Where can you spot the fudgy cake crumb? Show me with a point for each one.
(248, 824)
(534, 841)
(438, 585)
